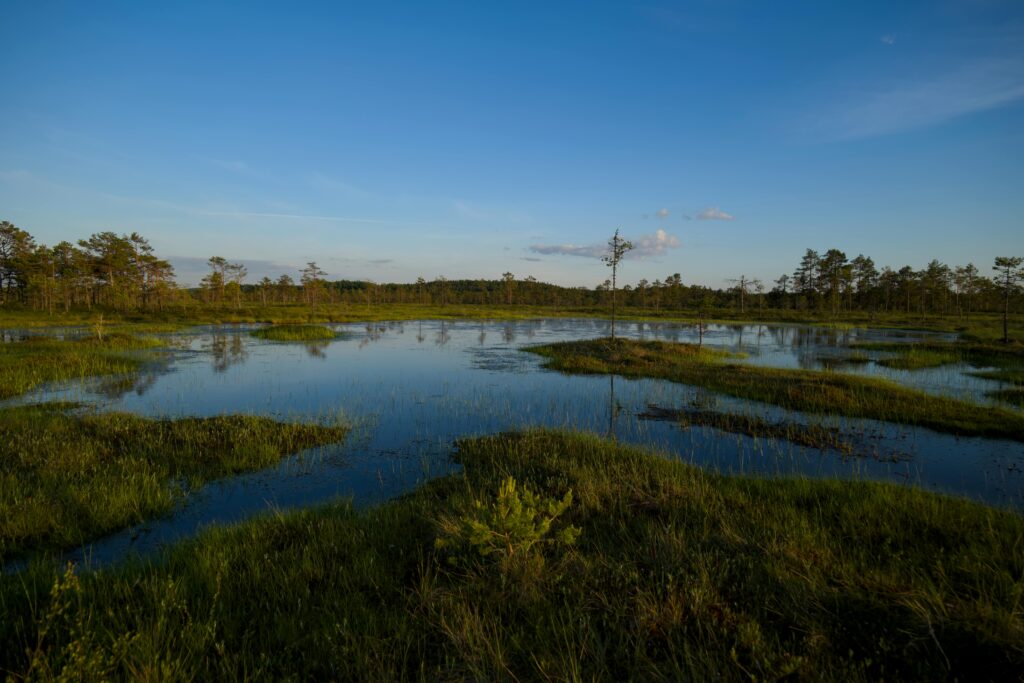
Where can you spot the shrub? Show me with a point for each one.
(509, 528)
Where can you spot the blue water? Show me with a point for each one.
(411, 389)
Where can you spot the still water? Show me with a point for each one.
(411, 389)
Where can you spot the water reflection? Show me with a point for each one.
(316, 349)
(413, 401)
(227, 350)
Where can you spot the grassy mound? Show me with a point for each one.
(651, 569)
(66, 478)
(291, 333)
(816, 392)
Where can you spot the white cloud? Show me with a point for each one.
(713, 213)
(644, 246)
(661, 213)
(888, 39)
(654, 245)
(896, 107)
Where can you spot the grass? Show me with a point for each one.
(985, 328)
(978, 354)
(1014, 395)
(676, 574)
(1008, 375)
(806, 390)
(27, 364)
(70, 477)
(290, 333)
(852, 359)
(810, 435)
(916, 358)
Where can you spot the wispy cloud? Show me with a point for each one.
(644, 246)
(587, 251)
(466, 211)
(713, 213)
(888, 39)
(978, 86)
(331, 185)
(661, 213)
(234, 166)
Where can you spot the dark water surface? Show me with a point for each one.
(411, 389)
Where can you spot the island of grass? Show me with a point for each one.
(805, 390)
(930, 354)
(1013, 395)
(809, 435)
(27, 364)
(69, 476)
(294, 333)
(653, 570)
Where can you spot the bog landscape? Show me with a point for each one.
(590, 426)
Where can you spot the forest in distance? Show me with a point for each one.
(122, 272)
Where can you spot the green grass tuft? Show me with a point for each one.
(917, 358)
(289, 333)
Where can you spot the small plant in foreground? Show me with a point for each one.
(509, 527)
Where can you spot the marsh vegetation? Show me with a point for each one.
(727, 573)
(673, 573)
(811, 391)
(291, 333)
(71, 474)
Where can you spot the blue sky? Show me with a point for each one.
(392, 140)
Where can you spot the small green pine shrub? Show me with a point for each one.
(511, 528)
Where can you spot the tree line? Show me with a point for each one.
(107, 269)
(123, 273)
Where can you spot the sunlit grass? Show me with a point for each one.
(68, 477)
(978, 354)
(829, 393)
(917, 358)
(287, 333)
(676, 574)
(24, 365)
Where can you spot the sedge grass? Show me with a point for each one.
(291, 333)
(976, 353)
(677, 574)
(69, 477)
(806, 390)
(809, 435)
(917, 359)
(27, 364)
